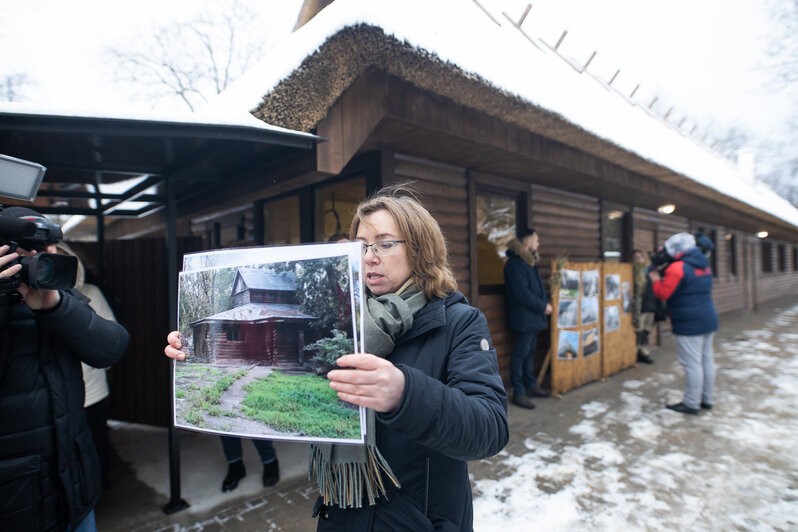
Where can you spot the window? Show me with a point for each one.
(782, 256)
(497, 223)
(281, 221)
(613, 235)
(335, 207)
(767, 257)
(232, 331)
(795, 259)
(731, 249)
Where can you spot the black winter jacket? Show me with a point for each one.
(49, 470)
(454, 409)
(526, 295)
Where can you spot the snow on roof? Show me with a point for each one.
(257, 313)
(460, 32)
(260, 279)
(233, 118)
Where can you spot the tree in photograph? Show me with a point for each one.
(204, 294)
(322, 287)
(329, 349)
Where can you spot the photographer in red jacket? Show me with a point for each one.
(687, 286)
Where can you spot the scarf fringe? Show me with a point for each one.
(343, 484)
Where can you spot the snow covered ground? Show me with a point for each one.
(627, 463)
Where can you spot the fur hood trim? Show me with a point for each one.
(516, 247)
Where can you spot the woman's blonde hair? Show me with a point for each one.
(426, 247)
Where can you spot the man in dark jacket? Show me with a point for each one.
(687, 286)
(527, 308)
(49, 469)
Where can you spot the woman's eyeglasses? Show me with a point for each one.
(383, 248)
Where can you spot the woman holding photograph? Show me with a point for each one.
(430, 381)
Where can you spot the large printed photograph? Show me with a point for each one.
(261, 327)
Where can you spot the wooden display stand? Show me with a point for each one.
(619, 346)
(581, 350)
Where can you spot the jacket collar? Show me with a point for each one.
(431, 316)
(517, 248)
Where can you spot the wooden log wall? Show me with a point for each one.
(777, 283)
(568, 224)
(444, 192)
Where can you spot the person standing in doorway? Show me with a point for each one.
(687, 286)
(527, 308)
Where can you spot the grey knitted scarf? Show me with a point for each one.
(345, 473)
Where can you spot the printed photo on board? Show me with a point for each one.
(628, 298)
(590, 342)
(612, 287)
(568, 313)
(568, 345)
(590, 283)
(260, 329)
(612, 318)
(569, 284)
(590, 310)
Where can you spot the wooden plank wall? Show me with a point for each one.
(776, 284)
(568, 224)
(444, 192)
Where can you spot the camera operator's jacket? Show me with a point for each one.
(687, 285)
(49, 470)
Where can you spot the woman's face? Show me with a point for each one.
(384, 274)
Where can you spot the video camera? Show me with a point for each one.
(660, 258)
(48, 271)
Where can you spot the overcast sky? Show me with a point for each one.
(705, 58)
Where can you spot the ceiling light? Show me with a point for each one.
(762, 234)
(668, 208)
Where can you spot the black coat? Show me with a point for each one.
(526, 295)
(49, 470)
(454, 410)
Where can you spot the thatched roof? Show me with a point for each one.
(483, 66)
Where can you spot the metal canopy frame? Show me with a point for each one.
(180, 159)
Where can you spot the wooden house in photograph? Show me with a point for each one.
(265, 327)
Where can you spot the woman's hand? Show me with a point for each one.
(173, 349)
(372, 382)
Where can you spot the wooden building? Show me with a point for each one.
(521, 139)
(486, 162)
(265, 327)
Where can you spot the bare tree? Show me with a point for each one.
(196, 58)
(12, 85)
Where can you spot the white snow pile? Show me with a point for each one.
(642, 467)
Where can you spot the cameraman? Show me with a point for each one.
(49, 470)
(687, 285)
